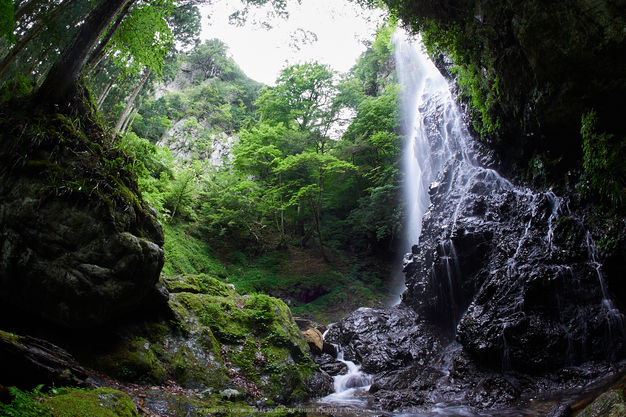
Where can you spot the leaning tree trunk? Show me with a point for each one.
(60, 86)
(129, 122)
(104, 94)
(129, 104)
(100, 51)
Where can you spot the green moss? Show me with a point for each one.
(259, 338)
(609, 404)
(9, 336)
(193, 367)
(102, 402)
(135, 361)
(200, 283)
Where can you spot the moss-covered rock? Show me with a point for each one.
(69, 402)
(260, 347)
(102, 402)
(77, 246)
(609, 404)
(218, 342)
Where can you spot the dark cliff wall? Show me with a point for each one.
(514, 272)
(543, 64)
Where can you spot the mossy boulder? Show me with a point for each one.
(102, 402)
(254, 336)
(218, 342)
(77, 246)
(609, 404)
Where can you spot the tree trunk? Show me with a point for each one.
(317, 210)
(319, 236)
(96, 56)
(129, 104)
(180, 196)
(60, 86)
(308, 235)
(129, 122)
(104, 94)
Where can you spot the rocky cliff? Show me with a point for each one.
(533, 68)
(518, 281)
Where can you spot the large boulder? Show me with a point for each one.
(78, 246)
(386, 339)
(70, 263)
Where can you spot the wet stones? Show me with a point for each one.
(389, 339)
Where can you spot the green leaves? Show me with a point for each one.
(210, 58)
(603, 155)
(302, 98)
(144, 38)
(7, 24)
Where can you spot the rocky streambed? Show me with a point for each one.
(414, 369)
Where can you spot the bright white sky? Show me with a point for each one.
(340, 27)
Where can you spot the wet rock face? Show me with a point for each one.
(513, 272)
(444, 373)
(552, 61)
(71, 263)
(386, 339)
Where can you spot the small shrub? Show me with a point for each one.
(605, 172)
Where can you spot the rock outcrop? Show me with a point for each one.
(540, 66)
(77, 245)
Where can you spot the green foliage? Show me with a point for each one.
(302, 98)
(472, 65)
(7, 23)
(605, 173)
(185, 22)
(187, 254)
(19, 86)
(24, 403)
(144, 37)
(210, 58)
(288, 183)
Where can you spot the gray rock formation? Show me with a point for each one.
(72, 263)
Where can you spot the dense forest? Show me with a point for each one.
(293, 190)
(164, 217)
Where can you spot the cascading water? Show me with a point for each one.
(466, 206)
(419, 79)
(349, 386)
(437, 137)
(512, 274)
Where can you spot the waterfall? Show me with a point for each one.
(536, 272)
(419, 79)
(436, 137)
(348, 386)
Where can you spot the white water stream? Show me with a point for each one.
(349, 387)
